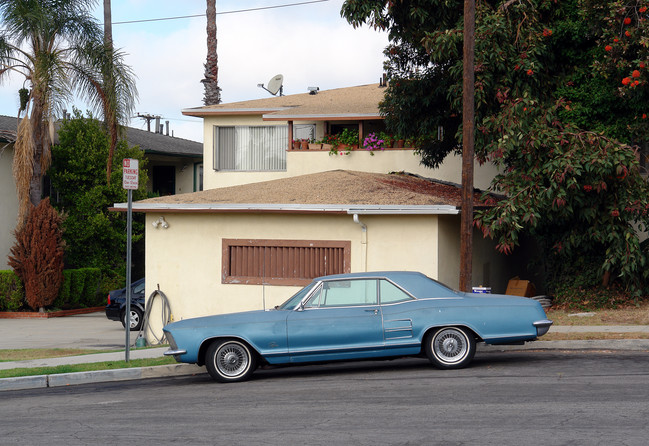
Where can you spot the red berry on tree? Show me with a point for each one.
(635, 73)
(627, 21)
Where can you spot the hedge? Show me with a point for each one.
(80, 289)
(12, 293)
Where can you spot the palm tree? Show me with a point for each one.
(58, 48)
(211, 81)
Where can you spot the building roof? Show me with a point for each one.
(152, 143)
(351, 103)
(158, 143)
(337, 191)
(8, 127)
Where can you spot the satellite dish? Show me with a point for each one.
(274, 85)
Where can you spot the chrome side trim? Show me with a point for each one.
(174, 352)
(542, 327)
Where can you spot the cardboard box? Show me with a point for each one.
(518, 287)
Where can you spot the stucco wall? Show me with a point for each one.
(8, 203)
(306, 162)
(185, 259)
(489, 268)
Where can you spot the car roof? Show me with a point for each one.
(394, 275)
(416, 283)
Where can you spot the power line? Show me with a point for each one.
(236, 11)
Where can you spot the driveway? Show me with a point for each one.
(92, 331)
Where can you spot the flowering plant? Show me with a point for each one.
(373, 142)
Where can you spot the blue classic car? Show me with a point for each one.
(357, 316)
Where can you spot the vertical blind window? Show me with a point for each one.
(244, 148)
(283, 262)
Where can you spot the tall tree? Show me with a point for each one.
(57, 46)
(561, 94)
(211, 82)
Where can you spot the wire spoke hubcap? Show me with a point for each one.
(450, 346)
(232, 360)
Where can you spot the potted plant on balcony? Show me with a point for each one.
(304, 144)
(373, 142)
(348, 140)
(315, 144)
(330, 142)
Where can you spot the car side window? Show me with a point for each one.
(139, 288)
(341, 293)
(391, 293)
(314, 301)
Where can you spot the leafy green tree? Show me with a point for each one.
(57, 46)
(561, 94)
(95, 236)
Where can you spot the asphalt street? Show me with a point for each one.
(95, 332)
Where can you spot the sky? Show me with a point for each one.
(311, 45)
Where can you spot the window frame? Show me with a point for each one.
(216, 147)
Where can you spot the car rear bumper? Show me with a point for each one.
(542, 327)
(113, 312)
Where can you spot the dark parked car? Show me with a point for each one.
(116, 307)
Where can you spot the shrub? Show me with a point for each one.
(81, 288)
(37, 255)
(12, 294)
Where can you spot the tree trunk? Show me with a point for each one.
(212, 91)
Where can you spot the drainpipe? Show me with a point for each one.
(363, 241)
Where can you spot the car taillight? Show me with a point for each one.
(108, 298)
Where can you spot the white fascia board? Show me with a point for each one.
(227, 111)
(349, 209)
(336, 116)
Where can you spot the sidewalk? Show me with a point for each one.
(100, 333)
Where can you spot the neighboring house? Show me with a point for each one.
(175, 166)
(8, 199)
(251, 246)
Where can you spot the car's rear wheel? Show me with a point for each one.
(136, 319)
(230, 361)
(450, 347)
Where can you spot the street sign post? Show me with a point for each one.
(130, 182)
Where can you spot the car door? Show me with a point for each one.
(341, 320)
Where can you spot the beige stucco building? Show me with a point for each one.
(271, 217)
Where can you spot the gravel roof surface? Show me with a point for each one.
(332, 187)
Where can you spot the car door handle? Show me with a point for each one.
(373, 311)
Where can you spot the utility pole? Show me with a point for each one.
(148, 118)
(211, 82)
(468, 139)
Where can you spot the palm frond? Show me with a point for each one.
(23, 166)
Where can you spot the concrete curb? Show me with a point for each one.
(594, 344)
(70, 379)
(163, 371)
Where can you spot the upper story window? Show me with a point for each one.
(250, 148)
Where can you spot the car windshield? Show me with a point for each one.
(295, 300)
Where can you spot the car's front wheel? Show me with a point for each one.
(136, 319)
(230, 361)
(450, 347)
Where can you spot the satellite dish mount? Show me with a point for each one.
(275, 85)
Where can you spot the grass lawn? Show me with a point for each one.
(109, 365)
(620, 316)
